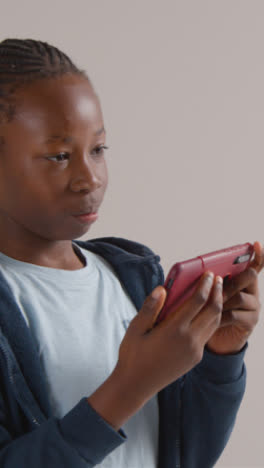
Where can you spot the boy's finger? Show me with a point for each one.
(192, 306)
(241, 301)
(145, 319)
(244, 281)
(210, 317)
(258, 261)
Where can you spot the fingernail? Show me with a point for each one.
(209, 277)
(219, 281)
(156, 294)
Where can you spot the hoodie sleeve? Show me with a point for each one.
(81, 439)
(211, 395)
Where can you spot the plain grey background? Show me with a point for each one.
(181, 88)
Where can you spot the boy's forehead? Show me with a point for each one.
(58, 103)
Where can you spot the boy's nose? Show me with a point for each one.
(85, 178)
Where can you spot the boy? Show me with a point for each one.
(78, 389)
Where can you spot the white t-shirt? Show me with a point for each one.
(79, 319)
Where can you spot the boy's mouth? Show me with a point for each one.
(87, 217)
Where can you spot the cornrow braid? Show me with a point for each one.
(23, 61)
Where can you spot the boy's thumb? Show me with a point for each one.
(152, 307)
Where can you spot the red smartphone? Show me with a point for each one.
(183, 277)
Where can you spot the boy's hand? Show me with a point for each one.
(152, 358)
(241, 308)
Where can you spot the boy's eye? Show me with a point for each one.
(59, 155)
(98, 151)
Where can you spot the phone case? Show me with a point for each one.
(183, 277)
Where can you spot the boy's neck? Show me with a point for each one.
(21, 244)
(67, 259)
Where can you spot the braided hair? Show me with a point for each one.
(23, 61)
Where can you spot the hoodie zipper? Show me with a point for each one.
(178, 446)
(178, 441)
(11, 379)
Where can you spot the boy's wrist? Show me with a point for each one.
(116, 400)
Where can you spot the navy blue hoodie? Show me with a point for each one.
(196, 413)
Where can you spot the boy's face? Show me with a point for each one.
(40, 196)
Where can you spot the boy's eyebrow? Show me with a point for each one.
(69, 139)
